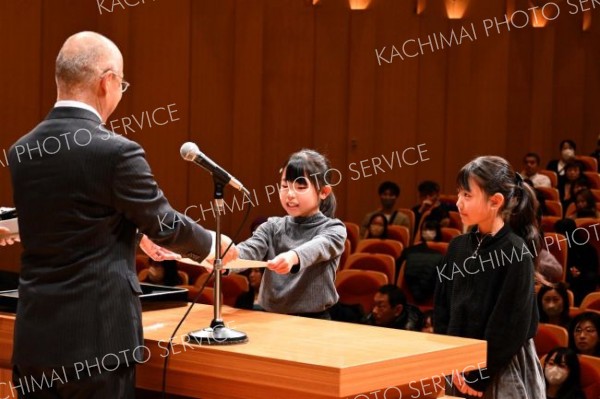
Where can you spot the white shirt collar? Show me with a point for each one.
(77, 104)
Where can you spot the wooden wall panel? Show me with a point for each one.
(330, 127)
(361, 113)
(591, 116)
(247, 110)
(431, 107)
(568, 82)
(159, 72)
(396, 102)
(20, 79)
(288, 81)
(211, 99)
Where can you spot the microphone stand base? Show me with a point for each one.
(218, 335)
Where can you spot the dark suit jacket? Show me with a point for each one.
(80, 194)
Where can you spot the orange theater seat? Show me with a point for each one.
(549, 193)
(411, 219)
(353, 234)
(345, 254)
(590, 376)
(399, 233)
(551, 175)
(359, 287)
(591, 301)
(232, 286)
(548, 337)
(383, 263)
(378, 246)
(441, 247)
(448, 233)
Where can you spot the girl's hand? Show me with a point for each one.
(283, 262)
(460, 384)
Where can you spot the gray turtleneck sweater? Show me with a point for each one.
(319, 242)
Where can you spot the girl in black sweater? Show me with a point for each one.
(485, 284)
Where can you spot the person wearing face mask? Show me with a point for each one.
(388, 194)
(562, 373)
(378, 227)
(567, 153)
(421, 262)
(553, 304)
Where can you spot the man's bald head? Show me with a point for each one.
(82, 58)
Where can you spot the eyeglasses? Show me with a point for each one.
(124, 84)
(588, 330)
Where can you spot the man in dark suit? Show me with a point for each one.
(83, 194)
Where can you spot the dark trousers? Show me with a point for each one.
(66, 383)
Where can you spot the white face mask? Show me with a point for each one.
(556, 375)
(568, 153)
(428, 235)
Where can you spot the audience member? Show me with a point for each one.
(388, 194)
(421, 262)
(585, 206)
(249, 300)
(553, 305)
(562, 373)
(567, 184)
(596, 153)
(427, 322)
(583, 334)
(377, 227)
(429, 194)
(567, 153)
(582, 261)
(531, 163)
(164, 273)
(391, 310)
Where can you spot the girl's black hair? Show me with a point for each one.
(593, 318)
(309, 167)
(493, 175)
(571, 385)
(561, 289)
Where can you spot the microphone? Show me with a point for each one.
(190, 152)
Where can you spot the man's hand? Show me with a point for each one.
(232, 253)
(283, 262)
(156, 252)
(8, 240)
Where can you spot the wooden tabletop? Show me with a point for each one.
(288, 356)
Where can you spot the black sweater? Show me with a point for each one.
(490, 298)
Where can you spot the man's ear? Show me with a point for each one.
(325, 191)
(398, 310)
(497, 200)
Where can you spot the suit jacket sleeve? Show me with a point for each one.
(136, 194)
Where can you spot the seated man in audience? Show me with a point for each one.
(388, 194)
(391, 310)
(531, 165)
(429, 194)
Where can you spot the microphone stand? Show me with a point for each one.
(218, 333)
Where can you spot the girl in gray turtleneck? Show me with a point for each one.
(303, 249)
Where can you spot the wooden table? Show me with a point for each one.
(291, 357)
